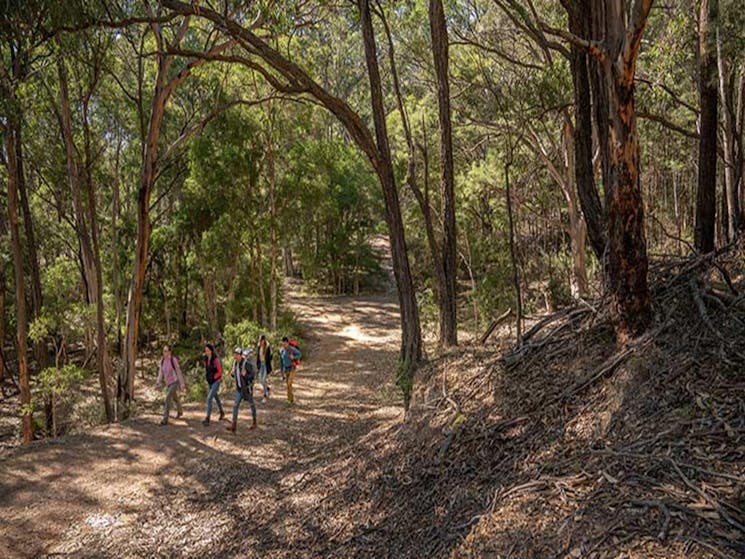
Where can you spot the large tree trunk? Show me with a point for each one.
(613, 43)
(411, 340)
(448, 291)
(627, 246)
(707, 150)
(27, 427)
(137, 283)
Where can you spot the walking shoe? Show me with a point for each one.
(231, 427)
(206, 422)
(222, 415)
(253, 425)
(179, 414)
(164, 422)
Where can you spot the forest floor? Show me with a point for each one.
(139, 489)
(564, 447)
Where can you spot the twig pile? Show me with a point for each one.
(566, 446)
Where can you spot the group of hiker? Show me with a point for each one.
(247, 362)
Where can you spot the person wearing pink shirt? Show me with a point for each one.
(170, 374)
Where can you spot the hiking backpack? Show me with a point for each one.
(293, 343)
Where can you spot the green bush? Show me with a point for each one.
(61, 388)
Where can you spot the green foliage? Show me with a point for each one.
(57, 382)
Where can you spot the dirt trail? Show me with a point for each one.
(142, 490)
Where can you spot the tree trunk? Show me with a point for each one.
(729, 141)
(260, 280)
(115, 213)
(411, 340)
(88, 241)
(273, 279)
(577, 225)
(707, 150)
(40, 346)
(448, 291)
(616, 48)
(210, 301)
(164, 88)
(27, 426)
(513, 252)
(3, 289)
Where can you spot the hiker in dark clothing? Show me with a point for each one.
(213, 372)
(170, 373)
(243, 374)
(264, 364)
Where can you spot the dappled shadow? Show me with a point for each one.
(185, 490)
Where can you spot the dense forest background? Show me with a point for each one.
(167, 166)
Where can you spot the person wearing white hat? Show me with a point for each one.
(243, 374)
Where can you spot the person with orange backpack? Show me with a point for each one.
(289, 359)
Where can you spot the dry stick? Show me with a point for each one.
(662, 458)
(662, 535)
(493, 326)
(713, 502)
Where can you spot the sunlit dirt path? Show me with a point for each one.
(142, 490)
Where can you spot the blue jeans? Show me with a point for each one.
(214, 388)
(237, 403)
(262, 379)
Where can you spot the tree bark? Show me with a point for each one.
(27, 427)
(583, 167)
(513, 252)
(86, 229)
(273, 280)
(3, 289)
(115, 213)
(40, 346)
(411, 341)
(726, 73)
(707, 150)
(448, 292)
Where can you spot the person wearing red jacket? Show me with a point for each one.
(213, 372)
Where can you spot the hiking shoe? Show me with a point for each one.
(164, 422)
(206, 422)
(222, 415)
(179, 415)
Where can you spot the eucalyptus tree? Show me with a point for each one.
(287, 76)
